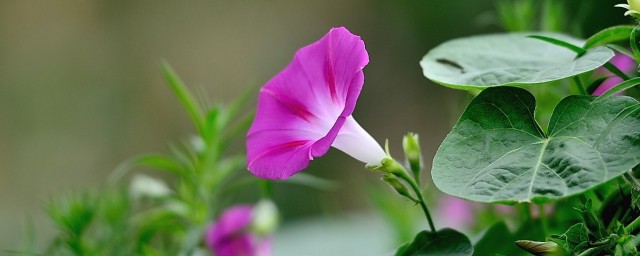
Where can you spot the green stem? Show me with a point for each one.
(616, 71)
(416, 190)
(632, 180)
(543, 219)
(267, 188)
(632, 226)
(524, 211)
(580, 86)
(634, 43)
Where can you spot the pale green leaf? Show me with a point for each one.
(514, 59)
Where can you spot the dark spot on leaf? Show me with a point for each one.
(451, 64)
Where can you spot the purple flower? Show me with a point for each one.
(230, 235)
(455, 212)
(625, 63)
(306, 109)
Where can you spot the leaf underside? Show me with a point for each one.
(508, 59)
(498, 153)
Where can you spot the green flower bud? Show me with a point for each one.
(389, 165)
(398, 187)
(265, 217)
(540, 248)
(411, 146)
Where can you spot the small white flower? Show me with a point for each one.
(145, 186)
(265, 217)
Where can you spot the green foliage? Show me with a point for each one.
(498, 239)
(634, 41)
(608, 36)
(485, 61)
(592, 237)
(575, 240)
(150, 217)
(444, 242)
(498, 153)
(517, 15)
(620, 88)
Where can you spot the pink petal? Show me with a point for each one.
(302, 109)
(232, 222)
(242, 245)
(455, 212)
(607, 84)
(623, 62)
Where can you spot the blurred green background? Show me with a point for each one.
(80, 88)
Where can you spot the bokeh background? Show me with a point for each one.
(81, 92)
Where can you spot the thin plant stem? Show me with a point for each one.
(632, 180)
(418, 193)
(616, 71)
(524, 211)
(580, 86)
(543, 219)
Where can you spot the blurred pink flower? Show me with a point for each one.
(625, 63)
(307, 107)
(230, 235)
(455, 212)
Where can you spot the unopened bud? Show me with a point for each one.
(389, 165)
(398, 186)
(265, 217)
(411, 146)
(540, 248)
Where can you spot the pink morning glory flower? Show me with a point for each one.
(456, 213)
(307, 107)
(231, 234)
(625, 63)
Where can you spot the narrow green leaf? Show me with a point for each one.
(444, 242)
(183, 94)
(578, 50)
(233, 109)
(160, 162)
(619, 88)
(609, 35)
(498, 153)
(240, 128)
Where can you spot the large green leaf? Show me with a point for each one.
(508, 59)
(498, 153)
(444, 242)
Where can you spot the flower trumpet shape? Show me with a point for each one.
(307, 107)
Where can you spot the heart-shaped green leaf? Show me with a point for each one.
(444, 242)
(508, 59)
(498, 153)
